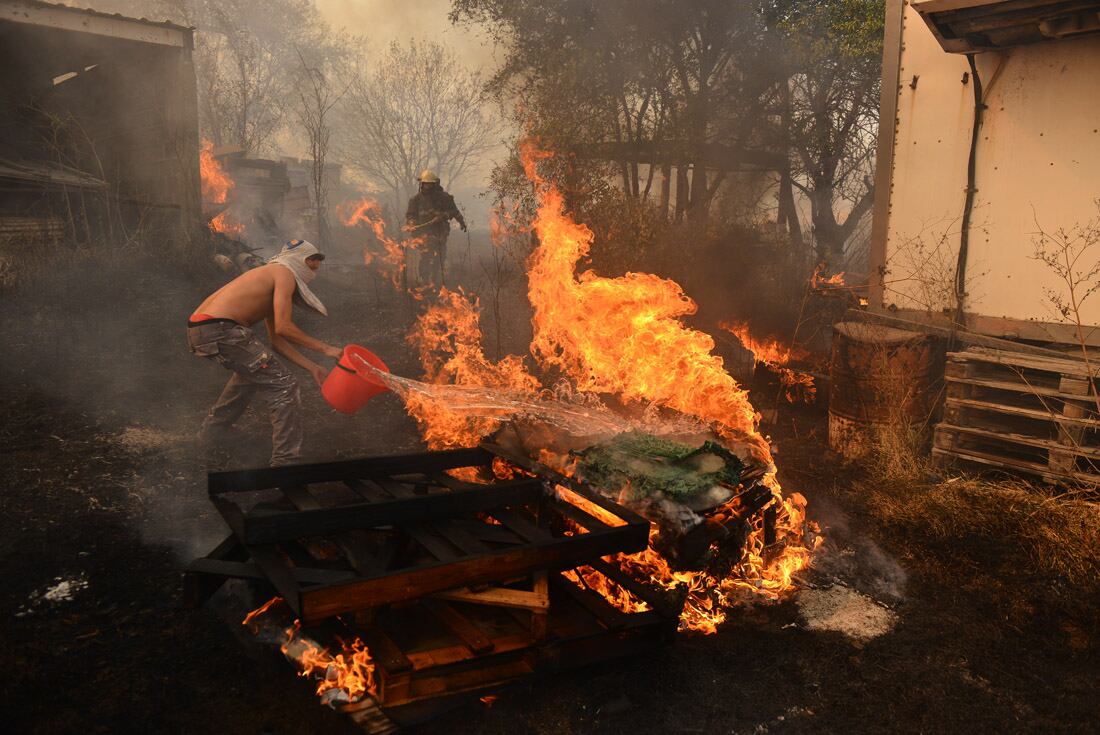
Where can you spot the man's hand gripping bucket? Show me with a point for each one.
(351, 384)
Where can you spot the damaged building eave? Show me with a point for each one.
(65, 18)
(47, 174)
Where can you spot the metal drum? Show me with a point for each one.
(879, 377)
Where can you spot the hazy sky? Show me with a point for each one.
(383, 21)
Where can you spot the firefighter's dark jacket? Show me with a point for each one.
(425, 207)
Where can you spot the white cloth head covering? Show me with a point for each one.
(293, 256)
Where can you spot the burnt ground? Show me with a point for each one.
(103, 489)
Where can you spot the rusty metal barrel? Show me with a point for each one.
(880, 377)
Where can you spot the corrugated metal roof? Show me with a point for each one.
(69, 19)
(115, 16)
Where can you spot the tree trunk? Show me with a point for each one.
(830, 240)
(683, 191)
(788, 212)
(698, 205)
(666, 189)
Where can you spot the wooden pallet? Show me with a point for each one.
(413, 532)
(1023, 413)
(419, 657)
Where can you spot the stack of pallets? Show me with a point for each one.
(1023, 413)
(455, 586)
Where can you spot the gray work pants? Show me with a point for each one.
(433, 257)
(256, 372)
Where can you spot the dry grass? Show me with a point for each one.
(1055, 536)
(898, 451)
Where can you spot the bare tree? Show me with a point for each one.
(829, 113)
(316, 101)
(417, 108)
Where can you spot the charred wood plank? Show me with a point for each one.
(269, 477)
(459, 624)
(456, 535)
(268, 525)
(519, 525)
(553, 554)
(247, 570)
(608, 616)
(435, 546)
(384, 651)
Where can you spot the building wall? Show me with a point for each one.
(1038, 165)
(126, 114)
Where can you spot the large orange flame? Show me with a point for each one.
(448, 337)
(214, 180)
(624, 335)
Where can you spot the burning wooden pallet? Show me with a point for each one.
(399, 528)
(453, 585)
(1023, 413)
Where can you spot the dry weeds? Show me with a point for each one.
(1056, 535)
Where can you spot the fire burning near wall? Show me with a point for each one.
(215, 181)
(216, 185)
(776, 355)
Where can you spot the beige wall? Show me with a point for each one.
(1038, 159)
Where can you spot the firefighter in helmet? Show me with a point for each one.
(428, 221)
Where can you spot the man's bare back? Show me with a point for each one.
(248, 298)
(267, 293)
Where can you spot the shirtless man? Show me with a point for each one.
(220, 329)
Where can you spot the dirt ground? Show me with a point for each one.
(103, 503)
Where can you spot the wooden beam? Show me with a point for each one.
(269, 477)
(554, 554)
(265, 526)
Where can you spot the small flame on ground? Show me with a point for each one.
(776, 354)
(344, 676)
(223, 224)
(819, 281)
(261, 610)
(350, 671)
(215, 182)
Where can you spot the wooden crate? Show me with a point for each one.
(1023, 413)
(414, 531)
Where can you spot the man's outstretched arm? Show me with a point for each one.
(284, 348)
(456, 215)
(284, 325)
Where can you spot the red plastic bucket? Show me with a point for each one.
(349, 386)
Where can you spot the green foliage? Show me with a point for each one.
(650, 465)
(834, 29)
